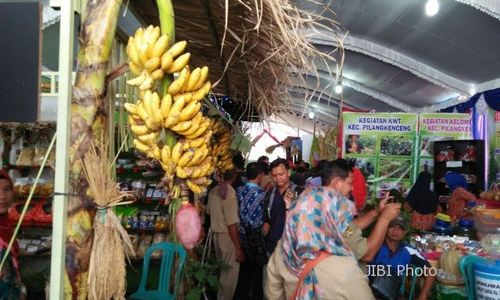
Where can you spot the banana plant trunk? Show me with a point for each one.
(89, 115)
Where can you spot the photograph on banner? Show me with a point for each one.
(382, 186)
(383, 146)
(439, 127)
(367, 167)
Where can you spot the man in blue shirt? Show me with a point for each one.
(276, 203)
(399, 260)
(251, 200)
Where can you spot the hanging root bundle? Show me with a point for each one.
(327, 143)
(111, 243)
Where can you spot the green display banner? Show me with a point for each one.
(494, 162)
(383, 145)
(439, 127)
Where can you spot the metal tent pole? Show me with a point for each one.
(61, 184)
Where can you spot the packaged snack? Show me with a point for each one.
(40, 152)
(157, 238)
(25, 157)
(144, 245)
(22, 186)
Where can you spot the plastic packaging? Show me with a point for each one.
(26, 156)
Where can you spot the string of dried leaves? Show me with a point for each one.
(111, 245)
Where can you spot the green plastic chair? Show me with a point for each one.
(170, 252)
(465, 264)
(413, 282)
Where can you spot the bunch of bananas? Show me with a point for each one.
(221, 147)
(150, 58)
(187, 160)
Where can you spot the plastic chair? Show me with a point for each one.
(169, 251)
(413, 282)
(467, 271)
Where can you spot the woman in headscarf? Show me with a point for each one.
(10, 281)
(459, 195)
(312, 260)
(423, 203)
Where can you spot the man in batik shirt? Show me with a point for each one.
(251, 200)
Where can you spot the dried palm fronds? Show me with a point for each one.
(271, 39)
(257, 49)
(111, 243)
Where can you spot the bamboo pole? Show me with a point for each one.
(61, 182)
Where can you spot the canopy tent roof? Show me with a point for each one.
(396, 57)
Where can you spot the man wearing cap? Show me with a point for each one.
(399, 259)
(224, 219)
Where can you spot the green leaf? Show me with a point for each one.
(194, 294)
(213, 281)
(200, 275)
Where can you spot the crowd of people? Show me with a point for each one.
(298, 234)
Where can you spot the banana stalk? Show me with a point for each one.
(89, 115)
(167, 26)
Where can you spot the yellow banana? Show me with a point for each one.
(166, 104)
(176, 86)
(196, 143)
(139, 33)
(157, 74)
(141, 112)
(152, 64)
(166, 61)
(182, 172)
(137, 80)
(186, 146)
(198, 132)
(187, 97)
(165, 154)
(160, 46)
(172, 119)
(198, 118)
(194, 187)
(147, 100)
(202, 79)
(200, 93)
(148, 138)
(192, 129)
(139, 129)
(193, 79)
(208, 136)
(147, 84)
(141, 146)
(155, 108)
(181, 126)
(150, 123)
(134, 68)
(131, 108)
(199, 155)
(179, 63)
(134, 120)
(177, 151)
(143, 53)
(197, 172)
(177, 106)
(185, 158)
(190, 111)
(132, 52)
(177, 48)
(156, 152)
